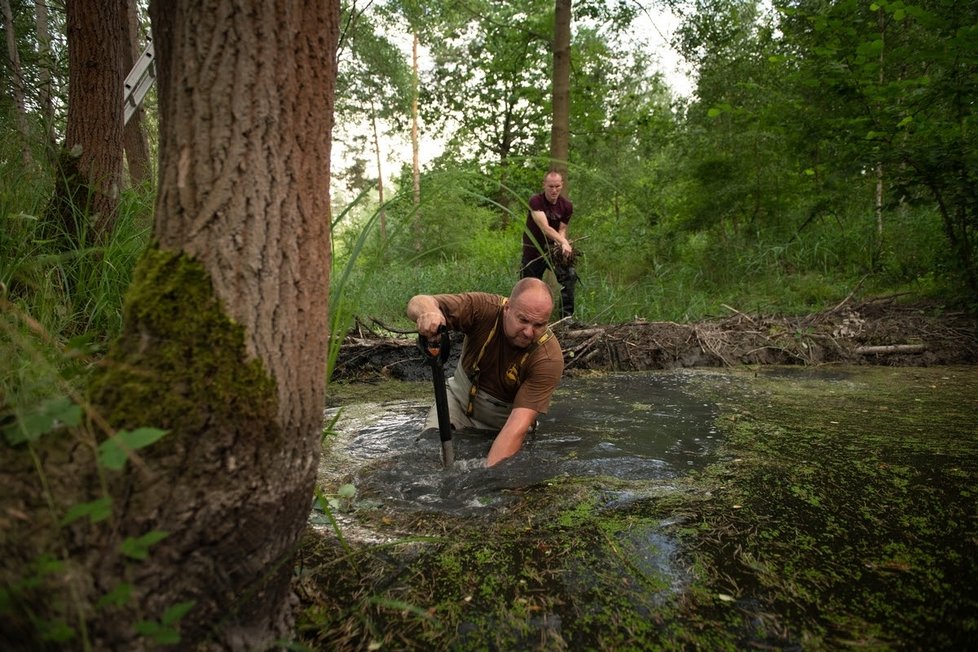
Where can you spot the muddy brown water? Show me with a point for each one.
(645, 429)
(627, 426)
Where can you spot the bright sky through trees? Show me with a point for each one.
(653, 30)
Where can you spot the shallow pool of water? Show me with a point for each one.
(842, 507)
(631, 427)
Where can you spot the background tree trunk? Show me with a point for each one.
(560, 128)
(17, 81)
(415, 144)
(87, 186)
(134, 135)
(380, 173)
(45, 64)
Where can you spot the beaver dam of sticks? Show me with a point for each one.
(876, 332)
(836, 509)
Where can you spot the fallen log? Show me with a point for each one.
(891, 348)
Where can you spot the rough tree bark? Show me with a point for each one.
(87, 186)
(223, 346)
(245, 127)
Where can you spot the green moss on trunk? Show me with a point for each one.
(180, 363)
(216, 483)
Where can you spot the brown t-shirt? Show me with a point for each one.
(535, 379)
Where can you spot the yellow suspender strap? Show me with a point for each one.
(485, 345)
(540, 340)
(474, 377)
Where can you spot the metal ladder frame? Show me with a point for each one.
(139, 80)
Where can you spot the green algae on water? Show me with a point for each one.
(840, 512)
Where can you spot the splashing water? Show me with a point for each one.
(631, 427)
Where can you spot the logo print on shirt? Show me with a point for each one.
(513, 374)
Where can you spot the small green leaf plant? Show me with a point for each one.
(27, 427)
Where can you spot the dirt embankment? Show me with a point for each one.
(877, 331)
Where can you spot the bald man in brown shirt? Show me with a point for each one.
(509, 356)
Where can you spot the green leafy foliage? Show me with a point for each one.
(326, 505)
(96, 510)
(165, 631)
(113, 452)
(891, 86)
(138, 547)
(42, 419)
(486, 72)
(118, 596)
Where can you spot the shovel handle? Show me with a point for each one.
(438, 348)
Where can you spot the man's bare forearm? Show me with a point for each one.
(423, 310)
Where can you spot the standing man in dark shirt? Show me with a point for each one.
(545, 243)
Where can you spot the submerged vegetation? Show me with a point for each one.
(847, 507)
(840, 511)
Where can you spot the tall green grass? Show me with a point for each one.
(632, 267)
(58, 305)
(659, 272)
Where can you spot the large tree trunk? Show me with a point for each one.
(560, 128)
(223, 347)
(87, 190)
